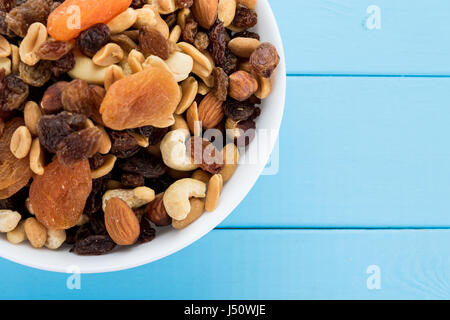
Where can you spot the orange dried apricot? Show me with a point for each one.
(14, 173)
(73, 16)
(146, 98)
(59, 195)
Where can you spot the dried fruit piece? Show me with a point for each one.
(79, 146)
(201, 41)
(93, 39)
(157, 213)
(59, 195)
(153, 42)
(149, 97)
(63, 65)
(154, 135)
(238, 111)
(145, 164)
(123, 144)
(231, 62)
(132, 180)
(247, 34)
(73, 16)
(7, 5)
(121, 222)
(14, 173)
(93, 245)
(220, 84)
(244, 18)
(36, 75)
(53, 50)
(21, 17)
(53, 128)
(264, 60)
(206, 154)
(15, 92)
(190, 30)
(51, 101)
(218, 44)
(148, 233)
(77, 97)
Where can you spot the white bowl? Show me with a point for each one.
(168, 240)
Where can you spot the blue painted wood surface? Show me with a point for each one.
(355, 152)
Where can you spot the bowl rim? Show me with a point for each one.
(199, 232)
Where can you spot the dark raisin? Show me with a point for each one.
(94, 201)
(248, 129)
(231, 62)
(15, 92)
(4, 30)
(247, 34)
(51, 101)
(205, 154)
(190, 30)
(31, 11)
(96, 161)
(63, 65)
(97, 223)
(264, 60)
(36, 75)
(147, 232)
(237, 111)
(160, 184)
(144, 164)
(201, 41)
(93, 245)
(132, 180)
(154, 135)
(79, 146)
(152, 42)
(245, 18)
(220, 84)
(183, 3)
(77, 97)
(217, 39)
(93, 39)
(83, 232)
(70, 235)
(123, 144)
(53, 128)
(53, 50)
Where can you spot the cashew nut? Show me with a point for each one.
(176, 198)
(173, 151)
(134, 198)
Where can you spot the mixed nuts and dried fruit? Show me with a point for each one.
(103, 109)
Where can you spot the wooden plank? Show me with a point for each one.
(358, 152)
(332, 37)
(267, 264)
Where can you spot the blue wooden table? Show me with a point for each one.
(360, 207)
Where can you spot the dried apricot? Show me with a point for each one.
(73, 16)
(59, 195)
(149, 97)
(14, 173)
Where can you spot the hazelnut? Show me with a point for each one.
(242, 85)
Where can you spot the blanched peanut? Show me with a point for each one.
(251, 4)
(15, 59)
(193, 120)
(180, 123)
(36, 35)
(226, 11)
(214, 190)
(17, 235)
(104, 142)
(189, 88)
(148, 15)
(134, 198)
(55, 238)
(9, 220)
(141, 140)
(108, 55)
(113, 73)
(135, 60)
(175, 34)
(21, 142)
(37, 157)
(176, 198)
(182, 16)
(123, 21)
(32, 113)
(197, 207)
(180, 65)
(264, 87)
(243, 47)
(5, 47)
(36, 232)
(198, 56)
(231, 158)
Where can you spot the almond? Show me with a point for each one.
(242, 85)
(210, 111)
(205, 12)
(157, 213)
(121, 222)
